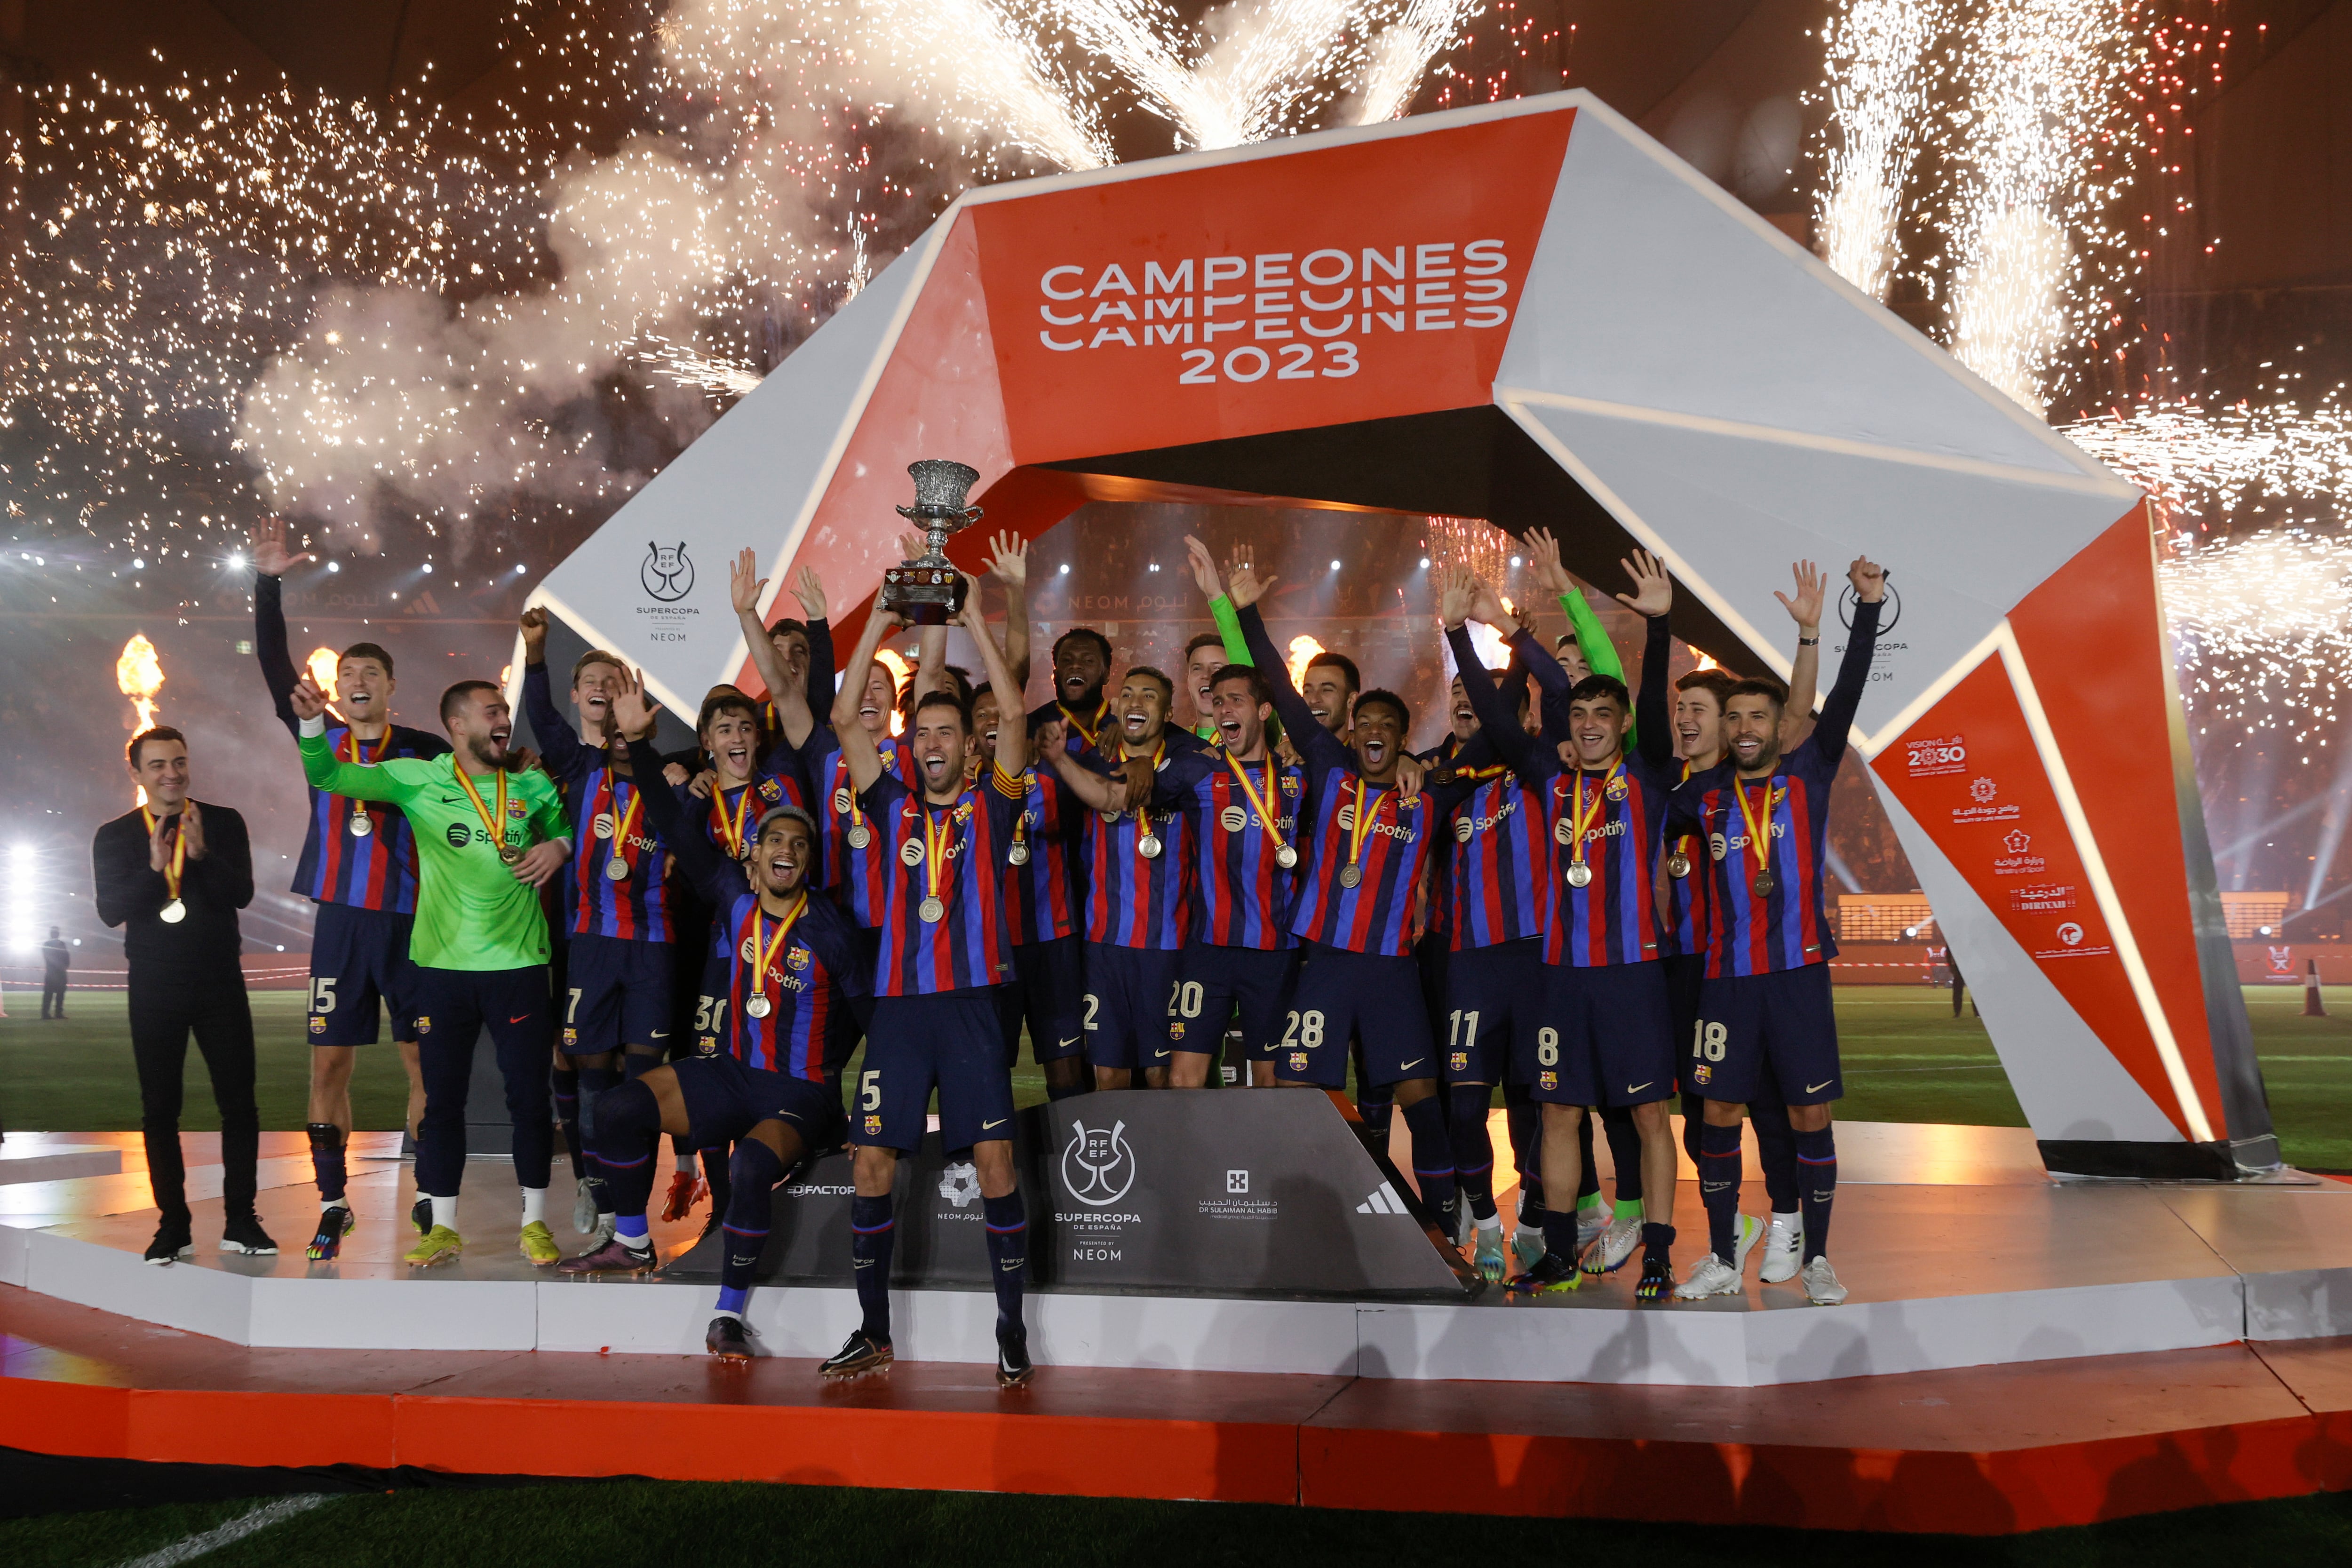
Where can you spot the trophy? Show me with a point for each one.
(928, 590)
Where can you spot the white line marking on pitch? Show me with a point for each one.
(192, 1547)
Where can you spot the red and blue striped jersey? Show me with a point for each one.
(726, 818)
(1682, 908)
(1241, 895)
(371, 871)
(638, 908)
(813, 981)
(1749, 932)
(955, 854)
(1037, 902)
(849, 874)
(1499, 886)
(1129, 900)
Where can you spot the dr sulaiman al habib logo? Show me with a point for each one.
(1278, 314)
(1097, 1166)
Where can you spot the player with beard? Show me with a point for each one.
(1765, 1005)
(1210, 652)
(1699, 698)
(487, 838)
(618, 911)
(782, 1003)
(942, 948)
(358, 866)
(1136, 882)
(1604, 1033)
(1365, 846)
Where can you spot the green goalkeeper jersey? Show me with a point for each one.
(472, 912)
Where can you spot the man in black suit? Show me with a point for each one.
(173, 873)
(55, 958)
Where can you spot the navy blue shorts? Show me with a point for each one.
(950, 1040)
(1758, 1034)
(1217, 983)
(1341, 996)
(617, 992)
(725, 1099)
(1488, 997)
(1130, 993)
(1047, 992)
(359, 959)
(1606, 1036)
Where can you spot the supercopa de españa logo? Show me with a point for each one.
(667, 572)
(1098, 1165)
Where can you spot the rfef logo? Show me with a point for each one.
(667, 574)
(1097, 1166)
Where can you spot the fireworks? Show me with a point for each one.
(2206, 464)
(2263, 629)
(1880, 77)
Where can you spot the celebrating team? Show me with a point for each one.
(1588, 899)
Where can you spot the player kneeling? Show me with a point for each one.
(784, 1001)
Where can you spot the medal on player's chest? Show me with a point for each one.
(932, 855)
(362, 824)
(859, 837)
(1284, 855)
(1578, 828)
(1759, 834)
(616, 828)
(1678, 865)
(1147, 843)
(760, 951)
(1357, 818)
(173, 911)
(494, 820)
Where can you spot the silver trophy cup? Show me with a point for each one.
(928, 590)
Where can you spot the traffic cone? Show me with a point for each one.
(2312, 1005)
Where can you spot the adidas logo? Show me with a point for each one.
(1383, 1201)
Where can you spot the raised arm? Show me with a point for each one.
(558, 743)
(1011, 740)
(1095, 791)
(271, 559)
(1804, 674)
(1008, 562)
(1543, 552)
(1458, 593)
(394, 779)
(1652, 598)
(1869, 580)
(743, 585)
(1245, 587)
(716, 876)
(857, 747)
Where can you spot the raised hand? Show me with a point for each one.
(192, 829)
(633, 710)
(809, 589)
(1653, 590)
(970, 617)
(1456, 591)
(159, 843)
(307, 701)
(1204, 567)
(744, 582)
(270, 556)
(913, 545)
(1243, 585)
(1869, 579)
(1543, 559)
(1487, 605)
(1805, 609)
(1008, 559)
(533, 626)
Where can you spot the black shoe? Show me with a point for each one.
(335, 1222)
(1012, 1364)
(1657, 1275)
(244, 1234)
(173, 1243)
(420, 1215)
(1550, 1272)
(861, 1352)
(726, 1339)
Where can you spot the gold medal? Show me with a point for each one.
(932, 910)
(495, 821)
(1759, 834)
(1580, 875)
(617, 869)
(759, 1006)
(173, 913)
(1764, 884)
(511, 855)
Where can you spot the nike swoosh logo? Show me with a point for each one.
(1415, 1063)
(1638, 1088)
(986, 1125)
(452, 800)
(658, 1034)
(517, 1018)
(1071, 1041)
(1817, 1087)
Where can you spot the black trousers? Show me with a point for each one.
(164, 1011)
(53, 997)
(454, 1007)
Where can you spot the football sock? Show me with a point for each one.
(1776, 1151)
(327, 1160)
(566, 1084)
(869, 1259)
(1657, 1240)
(715, 1163)
(635, 1064)
(1373, 1105)
(631, 1228)
(744, 1235)
(627, 1126)
(444, 1211)
(1624, 1152)
(1588, 1169)
(1816, 1185)
(730, 1301)
(1719, 1187)
(1008, 1254)
(1433, 1159)
(1474, 1149)
(1559, 1233)
(596, 1084)
(534, 1206)
(1524, 1121)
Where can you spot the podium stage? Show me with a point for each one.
(2016, 1353)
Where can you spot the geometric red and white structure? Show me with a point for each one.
(1533, 313)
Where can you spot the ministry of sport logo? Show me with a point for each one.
(667, 572)
(1097, 1165)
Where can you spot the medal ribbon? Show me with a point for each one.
(1759, 842)
(840, 782)
(731, 831)
(1257, 801)
(1682, 844)
(1363, 825)
(1584, 819)
(360, 757)
(623, 822)
(179, 853)
(1080, 725)
(496, 824)
(1143, 812)
(935, 848)
(768, 950)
